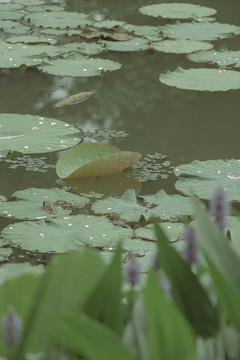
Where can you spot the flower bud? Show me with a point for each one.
(220, 207)
(190, 251)
(133, 273)
(12, 328)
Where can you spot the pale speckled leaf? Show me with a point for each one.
(199, 31)
(177, 11)
(180, 46)
(203, 177)
(94, 159)
(222, 58)
(35, 134)
(202, 79)
(66, 234)
(79, 66)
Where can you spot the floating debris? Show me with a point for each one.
(74, 99)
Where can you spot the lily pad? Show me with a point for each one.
(31, 39)
(32, 204)
(13, 271)
(135, 44)
(126, 207)
(203, 177)
(57, 19)
(177, 11)
(180, 46)
(5, 253)
(78, 65)
(203, 31)
(173, 230)
(109, 24)
(202, 79)
(35, 134)
(144, 30)
(94, 159)
(81, 47)
(10, 26)
(10, 15)
(29, 2)
(10, 6)
(43, 8)
(221, 58)
(66, 234)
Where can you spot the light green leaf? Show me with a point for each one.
(10, 26)
(10, 15)
(204, 31)
(5, 253)
(65, 234)
(80, 47)
(94, 159)
(180, 46)
(142, 30)
(35, 134)
(29, 2)
(31, 39)
(203, 177)
(177, 11)
(135, 44)
(222, 58)
(202, 79)
(43, 8)
(79, 66)
(14, 271)
(10, 6)
(108, 24)
(56, 19)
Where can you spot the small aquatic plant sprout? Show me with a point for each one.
(12, 328)
(220, 207)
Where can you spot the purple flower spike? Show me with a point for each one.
(133, 273)
(166, 286)
(12, 328)
(220, 207)
(190, 252)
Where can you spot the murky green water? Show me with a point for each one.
(186, 125)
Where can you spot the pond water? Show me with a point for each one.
(185, 125)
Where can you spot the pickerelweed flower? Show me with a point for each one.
(133, 274)
(12, 328)
(220, 207)
(190, 251)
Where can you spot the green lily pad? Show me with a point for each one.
(177, 11)
(30, 204)
(143, 30)
(29, 2)
(203, 177)
(56, 19)
(203, 31)
(221, 58)
(94, 159)
(66, 234)
(43, 8)
(173, 230)
(10, 15)
(10, 26)
(81, 47)
(202, 79)
(10, 6)
(126, 207)
(108, 24)
(5, 253)
(168, 206)
(35, 134)
(13, 271)
(180, 46)
(78, 65)
(135, 44)
(31, 39)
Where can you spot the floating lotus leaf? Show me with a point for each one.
(138, 247)
(203, 177)
(5, 253)
(205, 31)
(43, 8)
(143, 30)
(221, 58)
(168, 206)
(13, 271)
(31, 204)
(126, 207)
(202, 79)
(10, 26)
(31, 39)
(15, 55)
(56, 19)
(173, 230)
(66, 234)
(94, 159)
(9, 6)
(180, 46)
(109, 24)
(81, 47)
(35, 134)
(177, 11)
(10, 15)
(30, 2)
(78, 65)
(135, 44)
(3, 198)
